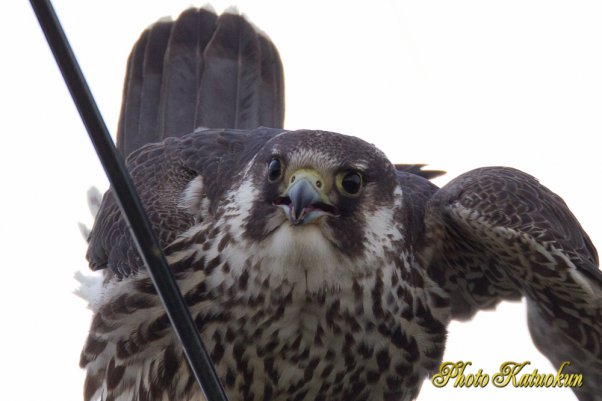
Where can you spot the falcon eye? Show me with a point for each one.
(350, 183)
(274, 169)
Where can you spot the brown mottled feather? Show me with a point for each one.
(198, 71)
(497, 234)
(489, 235)
(161, 172)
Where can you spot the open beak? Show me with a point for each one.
(305, 200)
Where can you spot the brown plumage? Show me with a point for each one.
(314, 268)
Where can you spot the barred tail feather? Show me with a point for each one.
(199, 71)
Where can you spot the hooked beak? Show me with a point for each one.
(304, 200)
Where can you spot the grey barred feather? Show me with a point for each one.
(349, 300)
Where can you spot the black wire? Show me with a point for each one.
(130, 204)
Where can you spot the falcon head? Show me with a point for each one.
(315, 200)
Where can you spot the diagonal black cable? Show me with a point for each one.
(130, 204)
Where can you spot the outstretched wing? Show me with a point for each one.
(498, 234)
(198, 71)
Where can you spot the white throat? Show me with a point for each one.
(304, 257)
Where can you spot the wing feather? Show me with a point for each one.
(200, 70)
(162, 173)
(417, 169)
(498, 234)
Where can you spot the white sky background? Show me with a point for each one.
(457, 84)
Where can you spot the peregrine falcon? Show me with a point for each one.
(313, 267)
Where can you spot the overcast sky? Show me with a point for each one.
(456, 84)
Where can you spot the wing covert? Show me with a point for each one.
(162, 172)
(498, 234)
(200, 70)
